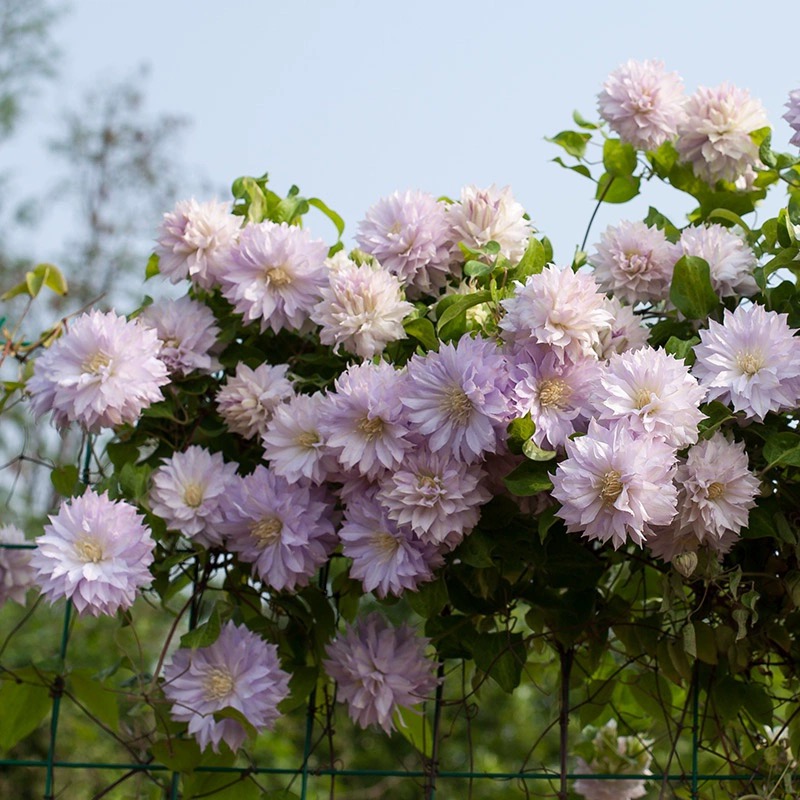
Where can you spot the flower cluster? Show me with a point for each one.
(337, 423)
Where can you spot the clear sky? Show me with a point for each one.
(352, 100)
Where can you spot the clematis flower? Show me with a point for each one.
(408, 233)
(642, 103)
(614, 487)
(238, 671)
(95, 552)
(751, 361)
(379, 670)
(16, 572)
(102, 373)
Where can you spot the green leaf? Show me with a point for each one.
(476, 550)
(529, 478)
(24, 706)
(180, 755)
(716, 414)
(414, 725)
(532, 451)
(65, 480)
(532, 261)
(98, 700)
(572, 141)
(581, 122)
(782, 449)
(205, 634)
(134, 480)
(501, 656)
(616, 189)
(757, 702)
(423, 331)
(727, 697)
(302, 681)
(429, 599)
(691, 290)
(655, 219)
(477, 269)
(329, 213)
(452, 313)
(519, 431)
(682, 349)
(581, 169)
(42, 275)
(619, 159)
(151, 270)
(452, 636)
(728, 216)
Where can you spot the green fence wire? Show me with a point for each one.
(433, 774)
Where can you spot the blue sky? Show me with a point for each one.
(352, 100)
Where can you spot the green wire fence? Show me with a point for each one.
(432, 780)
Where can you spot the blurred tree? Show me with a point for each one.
(121, 174)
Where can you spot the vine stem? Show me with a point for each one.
(567, 656)
(594, 213)
(430, 789)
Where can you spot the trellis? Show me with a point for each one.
(436, 780)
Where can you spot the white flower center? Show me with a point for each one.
(386, 544)
(371, 428)
(642, 398)
(457, 404)
(749, 362)
(307, 439)
(554, 393)
(89, 549)
(267, 531)
(279, 276)
(715, 490)
(96, 362)
(610, 486)
(193, 495)
(218, 683)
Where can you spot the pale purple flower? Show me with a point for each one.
(293, 443)
(615, 755)
(103, 372)
(239, 671)
(731, 260)
(556, 393)
(458, 397)
(792, 116)
(16, 573)
(284, 529)
(751, 361)
(195, 240)
(626, 333)
(652, 393)
(361, 310)
(559, 308)
(613, 486)
(489, 215)
(679, 545)
(717, 488)
(95, 552)
(249, 398)
(187, 493)
(276, 275)
(642, 103)
(408, 234)
(188, 331)
(362, 421)
(634, 262)
(714, 136)
(380, 669)
(387, 558)
(437, 496)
